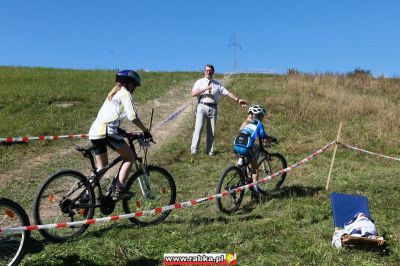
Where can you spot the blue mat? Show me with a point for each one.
(345, 206)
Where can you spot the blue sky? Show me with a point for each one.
(184, 35)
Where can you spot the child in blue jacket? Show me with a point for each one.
(250, 130)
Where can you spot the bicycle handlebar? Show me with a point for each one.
(134, 136)
(271, 141)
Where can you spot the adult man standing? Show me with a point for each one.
(207, 90)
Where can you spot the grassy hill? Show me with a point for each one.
(294, 227)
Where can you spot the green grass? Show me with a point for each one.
(294, 227)
(34, 98)
(43, 101)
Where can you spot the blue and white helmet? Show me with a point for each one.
(257, 109)
(125, 76)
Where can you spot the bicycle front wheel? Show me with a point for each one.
(269, 163)
(12, 244)
(150, 191)
(230, 179)
(57, 201)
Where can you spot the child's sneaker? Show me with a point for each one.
(256, 195)
(120, 193)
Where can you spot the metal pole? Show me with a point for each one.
(235, 45)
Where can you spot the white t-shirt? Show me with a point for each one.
(216, 91)
(112, 113)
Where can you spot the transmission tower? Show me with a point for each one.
(234, 44)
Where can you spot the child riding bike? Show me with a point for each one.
(251, 129)
(118, 105)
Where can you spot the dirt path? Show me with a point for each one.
(170, 111)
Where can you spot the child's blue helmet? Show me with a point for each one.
(126, 76)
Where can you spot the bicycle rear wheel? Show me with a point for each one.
(154, 190)
(230, 179)
(269, 163)
(55, 202)
(12, 244)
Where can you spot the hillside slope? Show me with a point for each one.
(293, 227)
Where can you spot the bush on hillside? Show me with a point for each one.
(359, 72)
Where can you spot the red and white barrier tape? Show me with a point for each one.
(169, 207)
(368, 152)
(26, 139)
(85, 136)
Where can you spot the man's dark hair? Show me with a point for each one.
(210, 66)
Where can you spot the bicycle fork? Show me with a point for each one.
(144, 184)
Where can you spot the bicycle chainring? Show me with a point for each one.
(66, 206)
(107, 205)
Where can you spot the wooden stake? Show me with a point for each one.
(333, 157)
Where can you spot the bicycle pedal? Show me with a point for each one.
(122, 195)
(256, 196)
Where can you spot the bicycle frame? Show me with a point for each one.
(140, 164)
(246, 166)
(260, 149)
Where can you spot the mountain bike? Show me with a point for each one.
(240, 175)
(12, 244)
(68, 195)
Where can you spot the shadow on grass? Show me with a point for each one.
(295, 191)
(224, 219)
(35, 246)
(144, 262)
(100, 232)
(248, 207)
(208, 220)
(8, 144)
(75, 259)
(285, 192)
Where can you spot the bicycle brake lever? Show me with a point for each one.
(149, 140)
